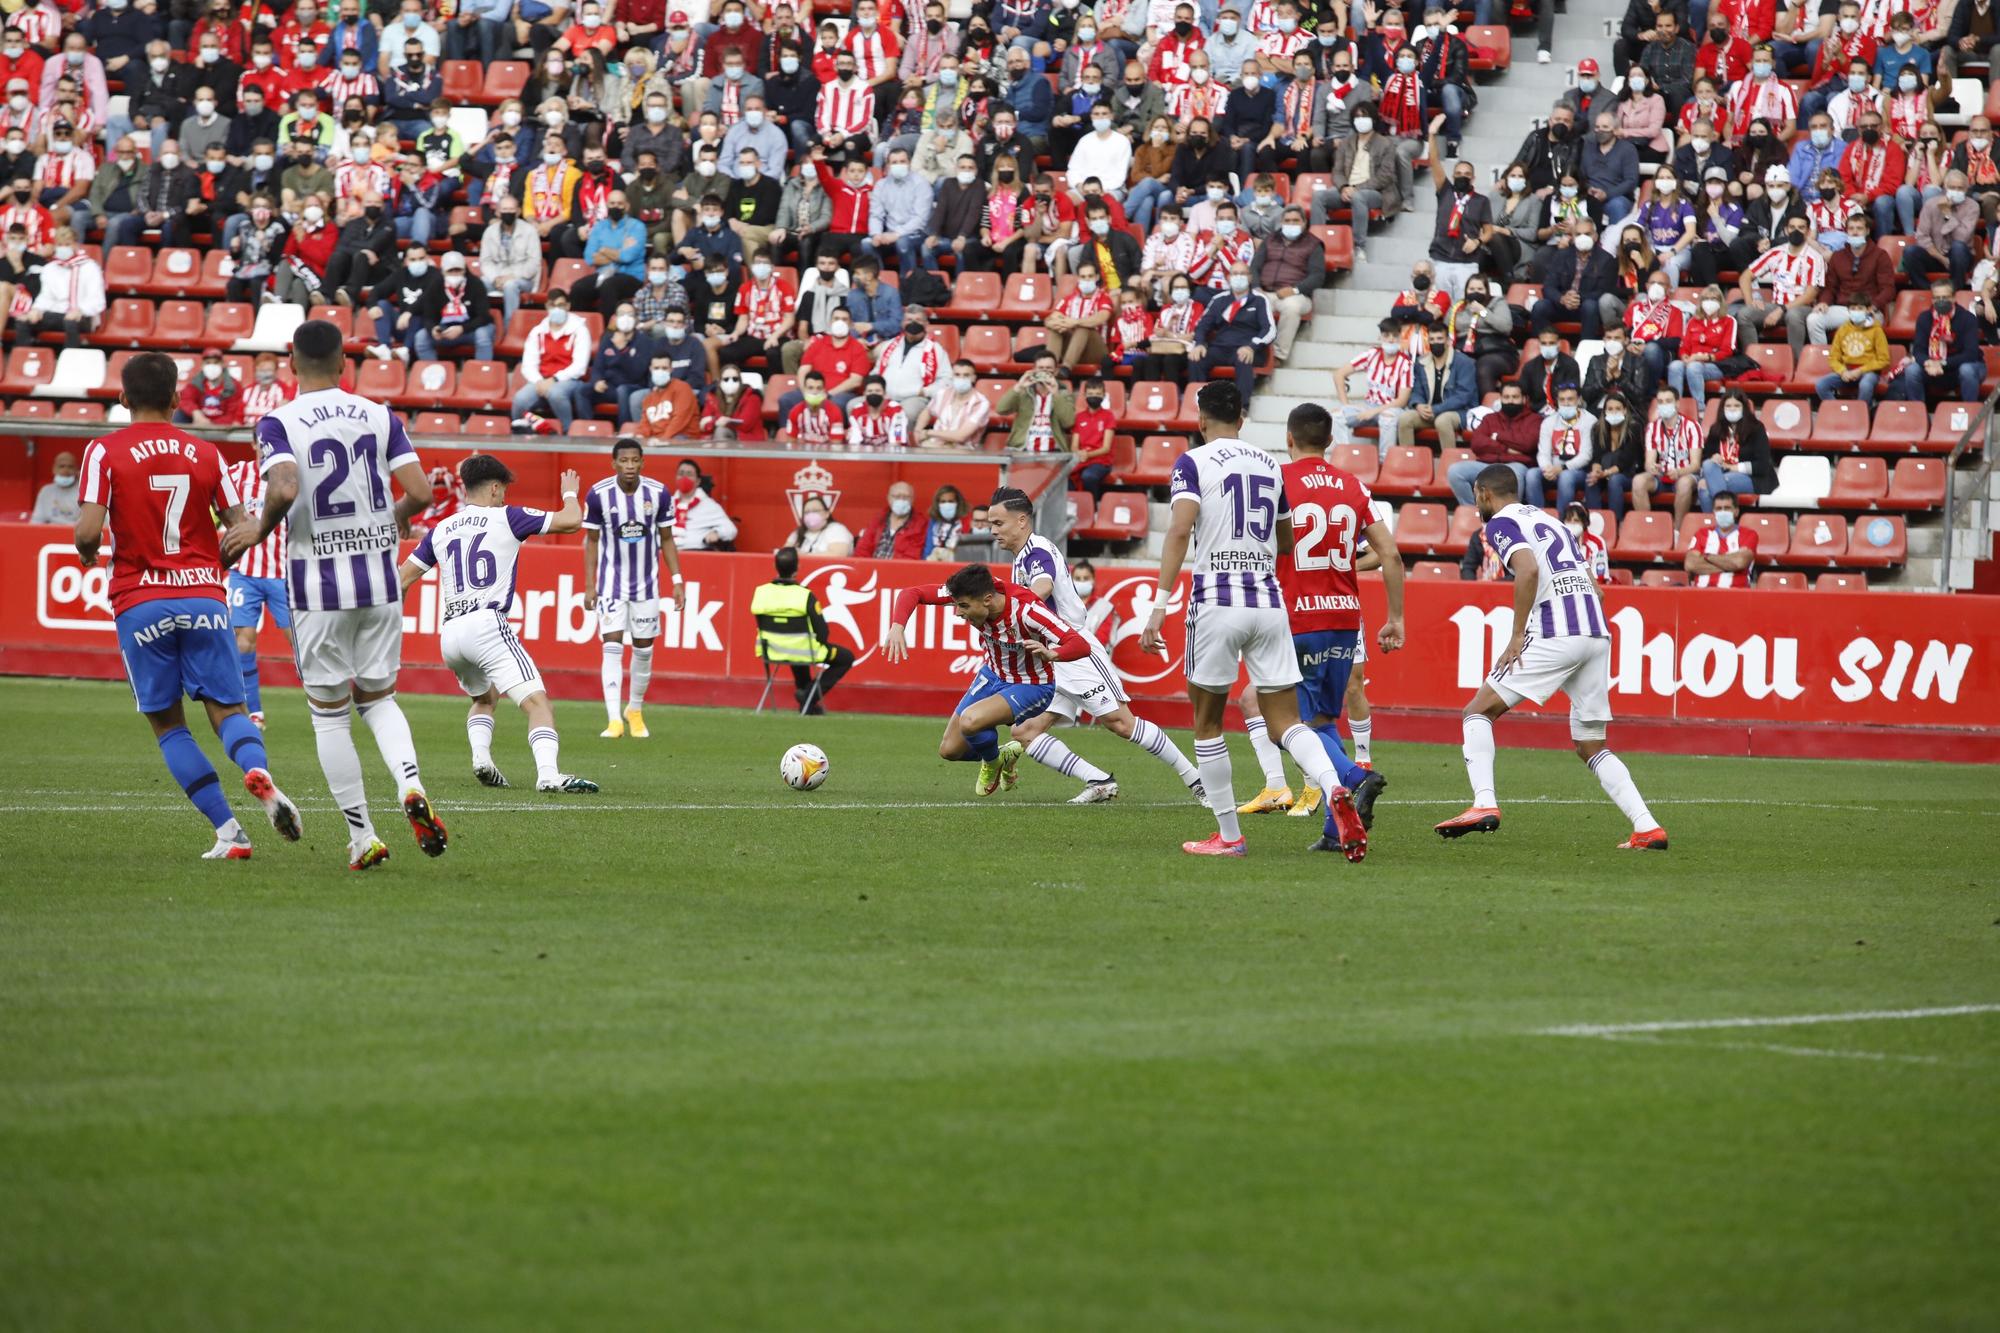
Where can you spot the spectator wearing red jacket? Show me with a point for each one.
(897, 533)
(1511, 435)
(732, 410)
(851, 193)
(210, 397)
(1872, 169)
(739, 36)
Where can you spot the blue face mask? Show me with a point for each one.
(1856, 242)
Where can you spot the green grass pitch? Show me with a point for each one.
(702, 1053)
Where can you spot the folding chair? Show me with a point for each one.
(787, 640)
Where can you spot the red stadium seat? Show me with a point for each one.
(591, 428)
(464, 81)
(1837, 425)
(1902, 323)
(1422, 529)
(487, 425)
(128, 269)
(430, 384)
(986, 346)
(1788, 421)
(1948, 424)
(380, 380)
(1154, 465)
(1339, 242)
(1858, 482)
(1646, 536)
(128, 323)
(1028, 343)
(27, 367)
(176, 272)
(1774, 532)
(1492, 46)
(229, 322)
(1663, 578)
(1404, 470)
(1899, 426)
(1623, 578)
(1123, 457)
(1151, 406)
(1917, 483)
(114, 373)
(565, 272)
(34, 409)
(1690, 525)
(1360, 459)
(1121, 516)
(1818, 539)
(504, 79)
(973, 296)
(1082, 511)
(1779, 580)
(1841, 583)
(342, 318)
(216, 266)
(946, 336)
(514, 338)
(436, 423)
(482, 387)
(1877, 541)
(1464, 522)
(1442, 571)
(1812, 363)
(80, 410)
(177, 326)
(1027, 296)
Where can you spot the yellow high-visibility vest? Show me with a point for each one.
(783, 632)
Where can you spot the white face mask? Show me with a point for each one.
(210, 372)
(552, 156)
(1292, 230)
(1575, 530)
(1668, 411)
(1850, 25)
(65, 251)
(1518, 184)
(1725, 519)
(962, 383)
(1198, 74)
(967, 177)
(262, 162)
(558, 317)
(656, 115)
(1363, 125)
(510, 118)
(899, 507)
(170, 160)
(1225, 226)
(1711, 308)
(1390, 347)
(760, 270)
(1087, 286)
(1657, 292)
(1585, 243)
(314, 213)
(1182, 296)
(420, 266)
(159, 64)
(1732, 414)
(1239, 283)
(624, 323)
(204, 108)
(1614, 418)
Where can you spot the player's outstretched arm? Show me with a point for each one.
(570, 517)
(895, 643)
(1380, 540)
(89, 532)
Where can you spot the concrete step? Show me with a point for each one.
(1312, 354)
(1275, 407)
(1345, 328)
(1928, 540)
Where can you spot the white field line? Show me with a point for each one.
(1773, 1048)
(1779, 1021)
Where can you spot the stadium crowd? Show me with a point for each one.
(741, 221)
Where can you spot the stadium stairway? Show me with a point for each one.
(1347, 310)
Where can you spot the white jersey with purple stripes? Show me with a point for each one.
(1241, 493)
(1091, 677)
(628, 549)
(1566, 603)
(474, 552)
(341, 547)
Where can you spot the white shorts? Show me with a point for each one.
(364, 646)
(1087, 686)
(483, 651)
(1578, 666)
(1219, 637)
(638, 617)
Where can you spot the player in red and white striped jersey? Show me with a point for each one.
(1723, 554)
(256, 584)
(1023, 640)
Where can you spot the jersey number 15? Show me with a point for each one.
(1256, 506)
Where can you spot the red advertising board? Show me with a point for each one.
(1683, 655)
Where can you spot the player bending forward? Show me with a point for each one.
(327, 458)
(1559, 643)
(474, 552)
(628, 523)
(156, 485)
(1229, 500)
(1089, 686)
(1024, 641)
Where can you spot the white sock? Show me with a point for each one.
(1479, 760)
(229, 832)
(542, 740)
(333, 732)
(1616, 779)
(392, 737)
(1156, 743)
(1212, 756)
(614, 678)
(642, 673)
(1047, 750)
(479, 731)
(1308, 751)
(1359, 730)
(1269, 756)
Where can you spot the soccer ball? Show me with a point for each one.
(803, 768)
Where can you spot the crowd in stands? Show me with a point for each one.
(741, 220)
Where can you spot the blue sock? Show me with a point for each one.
(255, 696)
(985, 745)
(196, 775)
(243, 743)
(1349, 772)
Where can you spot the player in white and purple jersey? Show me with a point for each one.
(1229, 501)
(1560, 642)
(328, 458)
(1087, 686)
(628, 524)
(256, 585)
(475, 552)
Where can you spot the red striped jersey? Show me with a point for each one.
(1330, 507)
(1674, 444)
(874, 53)
(1387, 375)
(1789, 274)
(768, 307)
(849, 111)
(1712, 540)
(1005, 637)
(265, 560)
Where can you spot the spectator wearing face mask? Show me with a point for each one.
(663, 408)
(946, 525)
(842, 359)
(1673, 458)
(875, 420)
(510, 256)
(400, 300)
(819, 532)
(265, 392)
(56, 502)
(914, 364)
(1079, 322)
(1722, 554)
(1566, 446)
(1511, 436)
(1369, 158)
(1736, 456)
(553, 366)
(1709, 350)
(1946, 360)
(1945, 232)
(1443, 389)
(957, 414)
(1595, 558)
(1618, 369)
(1620, 455)
(1795, 272)
(815, 420)
(71, 300)
(897, 534)
(732, 410)
(700, 521)
(1390, 374)
(1858, 353)
(211, 396)
(1090, 441)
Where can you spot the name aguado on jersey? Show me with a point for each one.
(476, 552)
